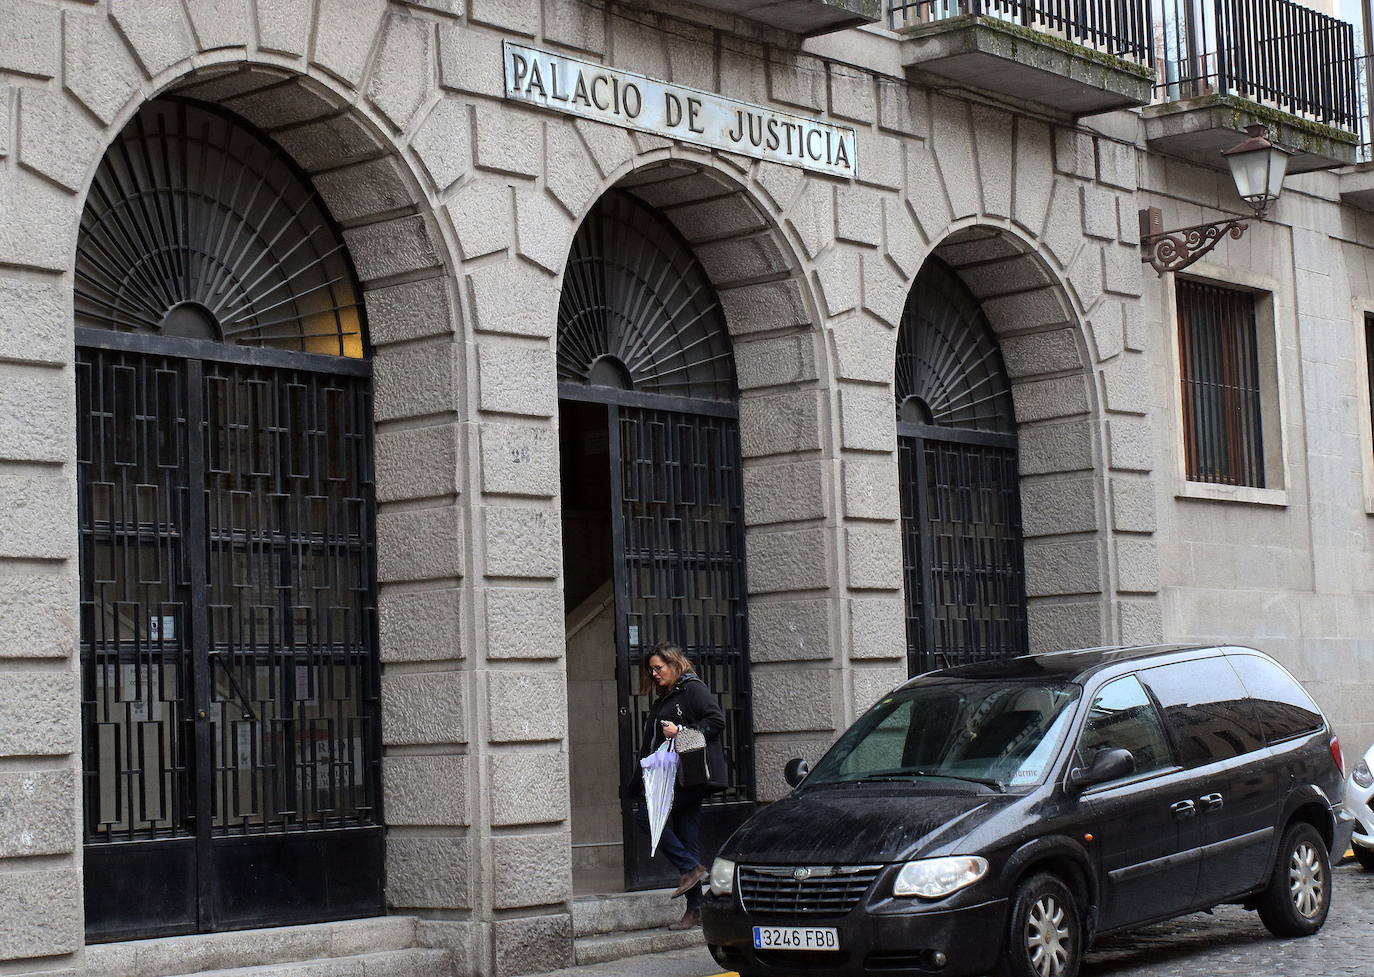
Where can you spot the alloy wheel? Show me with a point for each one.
(1306, 880)
(1048, 940)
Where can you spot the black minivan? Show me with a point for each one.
(998, 817)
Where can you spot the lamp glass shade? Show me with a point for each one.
(1259, 173)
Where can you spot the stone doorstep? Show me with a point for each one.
(389, 963)
(624, 912)
(214, 953)
(617, 946)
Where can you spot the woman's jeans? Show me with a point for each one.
(681, 838)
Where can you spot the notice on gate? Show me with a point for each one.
(622, 98)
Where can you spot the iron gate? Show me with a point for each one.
(961, 541)
(678, 527)
(228, 640)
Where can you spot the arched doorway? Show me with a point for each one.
(228, 597)
(653, 537)
(960, 492)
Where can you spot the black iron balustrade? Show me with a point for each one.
(1274, 52)
(1117, 27)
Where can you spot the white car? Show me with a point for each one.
(1359, 804)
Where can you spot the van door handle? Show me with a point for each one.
(1210, 802)
(1183, 809)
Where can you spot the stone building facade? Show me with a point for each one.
(458, 208)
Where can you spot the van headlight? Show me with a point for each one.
(934, 878)
(722, 877)
(1361, 775)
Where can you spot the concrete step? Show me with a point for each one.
(617, 946)
(621, 912)
(207, 953)
(388, 963)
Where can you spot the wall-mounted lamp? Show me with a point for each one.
(1257, 167)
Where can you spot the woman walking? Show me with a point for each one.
(683, 702)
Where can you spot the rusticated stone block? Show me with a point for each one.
(426, 790)
(283, 25)
(421, 626)
(575, 26)
(415, 382)
(739, 259)
(220, 23)
(516, 298)
(1126, 382)
(392, 247)
(771, 754)
(329, 142)
(524, 622)
(531, 870)
(100, 71)
(1049, 448)
(839, 275)
(517, 379)
(409, 311)
(781, 424)
(864, 350)
(40, 913)
(156, 30)
(569, 173)
(527, 707)
(1054, 569)
(871, 684)
(519, 16)
(1060, 626)
(1042, 352)
(1046, 399)
(35, 414)
(42, 717)
(423, 709)
(1142, 622)
(401, 77)
(37, 813)
(784, 493)
(1130, 445)
(874, 557)
(544, 230)
(529, 788)
(1061, 506)
(790, 699)
(775, 362)
(877, 627)
(443, 143)
(533, 944)
(40, 613)
(1137, 565)
(507, 140)
(797, 560)
(868, 419)
(885, 288)
(870, 488)
(522, 543)
(470, 60)
(417, 463)
(29, 41)
(363, 189)
(519, 460)
(419, 544)
(40, 219)
(791, 630)
(344, 34)
(428, 873)
(35, 521)
(1133, 505)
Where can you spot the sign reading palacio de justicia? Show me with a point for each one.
(592, 91)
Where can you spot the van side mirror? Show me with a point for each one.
(1109, 764)
(795, 771)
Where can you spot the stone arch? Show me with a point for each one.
(1050, 358)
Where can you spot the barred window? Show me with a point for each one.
(1219, 361)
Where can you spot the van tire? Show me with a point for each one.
(1298, 896)
(1043, 915)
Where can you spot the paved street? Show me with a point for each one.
(1228, 943)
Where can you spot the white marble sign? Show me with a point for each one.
(564, 84)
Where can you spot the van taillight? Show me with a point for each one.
(1336, 754)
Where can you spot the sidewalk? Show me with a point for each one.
(693, 962)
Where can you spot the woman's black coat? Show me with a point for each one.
(690, 703)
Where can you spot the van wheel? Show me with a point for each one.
(1365, 856)
(1299, 893)
(1045, 938)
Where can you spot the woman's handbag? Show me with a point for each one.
(693, 769)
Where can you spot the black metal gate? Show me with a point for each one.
(678, 528)
(960, 490)
(228, 639)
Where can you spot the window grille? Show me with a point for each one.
(1219, 370)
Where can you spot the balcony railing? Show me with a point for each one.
(1274, 52)
(1117, 27)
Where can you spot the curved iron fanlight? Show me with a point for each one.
(637, 310)
(949, 367)
(197, 227)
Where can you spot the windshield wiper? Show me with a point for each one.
(907, 776)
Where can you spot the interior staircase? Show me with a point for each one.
(383, 946)
(627, 924)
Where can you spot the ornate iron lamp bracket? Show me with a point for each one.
(1175, 250)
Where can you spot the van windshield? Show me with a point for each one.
(997, 733)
